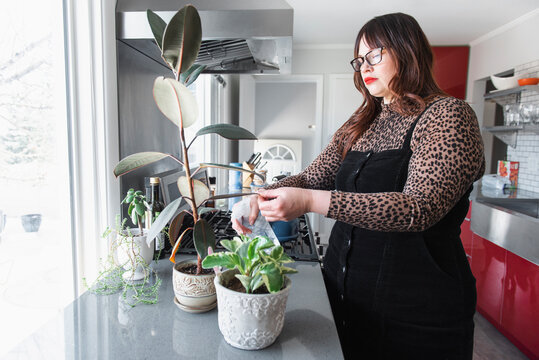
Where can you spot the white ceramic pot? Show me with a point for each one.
(134, 254)
(250, 321)
(194, 293)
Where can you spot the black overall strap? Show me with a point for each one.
(408, 138)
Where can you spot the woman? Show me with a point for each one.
(396, 177)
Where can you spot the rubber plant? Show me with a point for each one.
(179, 42)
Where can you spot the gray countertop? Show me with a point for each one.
(102, 327)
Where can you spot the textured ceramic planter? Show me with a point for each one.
(194, 293)
(250, 321)
(134, 254)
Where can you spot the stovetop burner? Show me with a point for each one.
(302, 248)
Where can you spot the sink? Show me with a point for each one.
(529, 207)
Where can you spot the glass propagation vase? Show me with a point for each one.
(526, 112)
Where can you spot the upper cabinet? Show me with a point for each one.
(451, 69)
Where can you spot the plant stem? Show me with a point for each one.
(188, 175)
(140, 225)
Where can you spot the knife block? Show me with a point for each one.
(247, 178)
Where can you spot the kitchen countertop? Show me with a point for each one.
(509, 220)
(102, 327)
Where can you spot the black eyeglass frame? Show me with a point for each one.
(364, 58)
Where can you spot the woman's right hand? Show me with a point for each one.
(253, 214)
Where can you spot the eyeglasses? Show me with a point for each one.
(373, 57)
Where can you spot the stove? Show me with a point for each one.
(302, 248)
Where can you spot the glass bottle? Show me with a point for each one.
(156, 206)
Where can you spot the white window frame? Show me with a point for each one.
(92, 110)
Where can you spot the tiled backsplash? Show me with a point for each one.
(527, 150)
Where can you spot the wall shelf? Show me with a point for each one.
(508, 134)
(509, 96)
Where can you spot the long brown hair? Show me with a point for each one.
(413, 83)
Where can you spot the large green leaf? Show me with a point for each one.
(175, 101)
(242, 253)
(182, 39)
(229, 131)
(137, 160)
(228, 260)
(163, 219)
(246, 282)
(264, 243)
(287, 270)
(256, 282)
(232, 245)
(158, 26)
(276, 252)
(203, 237)
(201, 191)
(272, 277)
(189, 77)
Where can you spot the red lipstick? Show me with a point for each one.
(369, 80)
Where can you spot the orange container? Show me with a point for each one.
(528, 81)
(509, 170)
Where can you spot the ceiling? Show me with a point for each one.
(446, 22)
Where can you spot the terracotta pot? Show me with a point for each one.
(250, 321)
(194, 293)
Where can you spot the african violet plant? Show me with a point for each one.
(256, 264)
(179, 42)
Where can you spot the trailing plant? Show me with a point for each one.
(179, 42)
(258, 260)
(110, 280)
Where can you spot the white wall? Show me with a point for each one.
(501, 50)
(287, 111)
(322, 60)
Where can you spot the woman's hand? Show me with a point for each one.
(284, 203)
(253, 214)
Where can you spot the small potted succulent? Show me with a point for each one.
(179, 42)
(252, 293)
(134, 252)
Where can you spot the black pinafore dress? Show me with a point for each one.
(398, 295)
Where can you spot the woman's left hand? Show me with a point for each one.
(284, 204)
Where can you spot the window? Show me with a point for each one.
(35, 225)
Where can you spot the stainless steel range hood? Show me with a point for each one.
(238, 36)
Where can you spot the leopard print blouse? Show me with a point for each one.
(447, 158)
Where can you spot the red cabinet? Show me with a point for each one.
(451, 69)
(507, 293)
(488, 267)
(520, 311)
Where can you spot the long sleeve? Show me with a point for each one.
(447, 158)
(320, 174)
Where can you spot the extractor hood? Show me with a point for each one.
(238, 36)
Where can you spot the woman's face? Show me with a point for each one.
(377, 77)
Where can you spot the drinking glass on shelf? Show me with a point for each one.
(536, 114)
(511, 115)
(526, 112)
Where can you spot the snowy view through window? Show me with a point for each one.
(35, 242)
